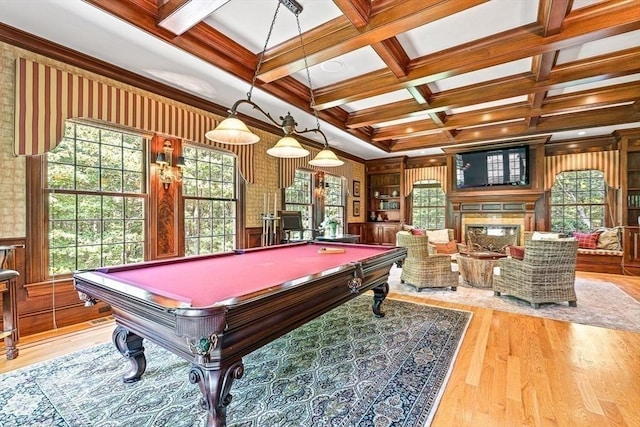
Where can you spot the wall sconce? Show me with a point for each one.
(321, 185)
(166, 172)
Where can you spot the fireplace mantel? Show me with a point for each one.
(475, 197)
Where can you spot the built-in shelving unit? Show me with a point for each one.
(633, 188)
(384, 197)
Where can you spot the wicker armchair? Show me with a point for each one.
(546, 274)
(422, 270)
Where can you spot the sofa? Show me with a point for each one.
(606, 256)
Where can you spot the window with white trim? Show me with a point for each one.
(578, 201)
(96, 196)
(428, 205)
(209, 189)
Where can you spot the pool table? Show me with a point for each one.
(213, 310)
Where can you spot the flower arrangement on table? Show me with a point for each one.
(330, 223)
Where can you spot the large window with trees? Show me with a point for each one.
(334, 199)
(299, 197)
(96, 197)
(578, 201)
(428, 205)
(209, 187)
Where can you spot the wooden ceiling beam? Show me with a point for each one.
(393, 111)
(559, 123)
(356, 11)
(624, 63)
(393, 55)
(551, 14)
(281, 61)
(178, 16)
(588, 24)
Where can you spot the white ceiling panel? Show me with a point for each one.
(471, 24)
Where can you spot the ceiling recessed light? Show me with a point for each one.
(582, 132)
(332, 66)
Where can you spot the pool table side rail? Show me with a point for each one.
(244, 327)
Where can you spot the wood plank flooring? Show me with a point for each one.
(511, 370)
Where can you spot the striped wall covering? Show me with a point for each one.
(438, 173)
(288, 169)
(605, 161)
(46, 97)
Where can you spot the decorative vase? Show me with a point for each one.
(333, 228)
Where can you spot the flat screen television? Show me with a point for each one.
(494, 167)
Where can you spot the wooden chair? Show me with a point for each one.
(546, 274)
(422, 270)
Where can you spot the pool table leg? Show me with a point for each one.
(215, 385)
(130, 345)
(379, 294)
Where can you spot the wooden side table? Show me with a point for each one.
(476, 268)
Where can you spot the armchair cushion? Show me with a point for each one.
(587, 240)
(450, 247)
(438, 236)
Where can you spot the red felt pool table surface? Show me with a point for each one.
(206, 281)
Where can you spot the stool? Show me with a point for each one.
(9, 311)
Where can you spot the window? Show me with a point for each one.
(210, 201)
(298, 197)
(96, 190)
(334, 199)
(516, 162)
(578, 201)
(429, 205)
(495, 169)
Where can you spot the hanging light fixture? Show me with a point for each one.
(233, 131)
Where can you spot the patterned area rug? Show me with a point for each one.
(599, 303)
(345, 368)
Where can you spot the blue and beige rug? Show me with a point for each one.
(345, 368)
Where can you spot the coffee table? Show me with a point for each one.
(476, 268)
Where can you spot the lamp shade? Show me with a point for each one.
(327, 159)
(232, 131)
(161, 159)
(288, 148)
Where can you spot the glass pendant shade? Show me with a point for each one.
(232, 131)
(287, 148)
(326, 158)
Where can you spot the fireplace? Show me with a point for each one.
(491, 237)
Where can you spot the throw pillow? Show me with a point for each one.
(407, 227)
(417, 232)
(516, 252)
(609, 239)
(438, 236)
(587, 240)
(446, 248)
(537, 235)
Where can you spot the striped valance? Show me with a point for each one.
(46, 97)
(606, 161)
(288, 168)
(437, 173)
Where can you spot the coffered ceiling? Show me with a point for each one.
(389, 77)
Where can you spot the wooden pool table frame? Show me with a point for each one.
(215, 338)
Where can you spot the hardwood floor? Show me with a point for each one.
(511, 370)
